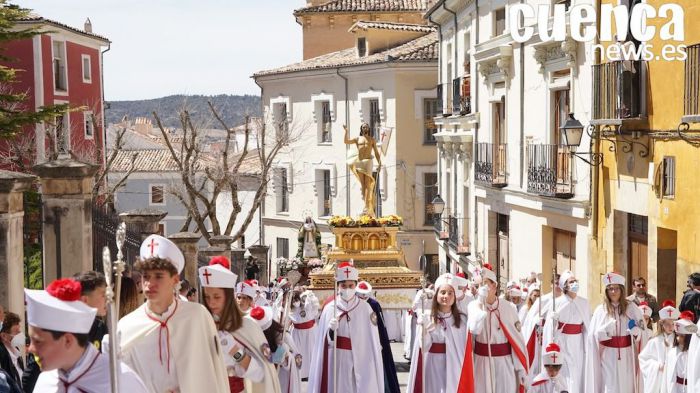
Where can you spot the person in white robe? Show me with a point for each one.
(659, 353)
(685, 329)
(421, 304)
(280, 350)
(59, 324)
(646, 333)
(535, 322)
(304, 330)
(550, 380)
(613, 342)
(693, 368)
(172, 345)
(532, 294)
(568, 328)
(496, 357)
(242, 340)
(348, 330)
(441, 341)
(245, 295)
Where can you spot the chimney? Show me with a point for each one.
(88, 26)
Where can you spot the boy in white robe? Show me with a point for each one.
(659, 353)
(550, 380)
(58, 327)
(348, 327)
(172, 345)
(304, 329)
(499, 363)
(568, 327)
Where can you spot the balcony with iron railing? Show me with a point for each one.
(490, 165)
(550, 171)
(446, 96)
(691, 97)
(461, 96)
(618, 91)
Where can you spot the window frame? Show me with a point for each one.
(87, 123)
(63, 90)
(326, 121)
(326, 193)
(429, 218)
(668, 177)
(282, 247)
(151, 186)
(429, 138)
(84, 57)
(495, 31)
(375, 118)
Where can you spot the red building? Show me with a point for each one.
(62, 65)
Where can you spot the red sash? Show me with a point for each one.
(438, 348)
(618, 342)
(305, 325)
(568, 328)
(482, 349)
(235, 384)
(681, 381)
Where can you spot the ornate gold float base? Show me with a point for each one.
(374, 253)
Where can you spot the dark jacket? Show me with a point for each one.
(7, 385)
(691, 302)
(6, 364)
(97, 331)
(31, 374)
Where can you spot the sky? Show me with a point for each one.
(164, 47)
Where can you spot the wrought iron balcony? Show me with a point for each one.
(618, 91)
(491, 164)
(692, 85)
(454, 231)
(440, 98)
(549, 171)
(461, 96)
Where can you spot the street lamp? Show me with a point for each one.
(438, 208)
(572, 132)
(438, 205)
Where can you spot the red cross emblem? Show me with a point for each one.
(670, 311)
(347, 272)
(153, 245)
(609, 278)
(554, 357)
(206, 275)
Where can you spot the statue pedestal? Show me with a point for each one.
(374, 253)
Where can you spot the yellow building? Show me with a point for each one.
(646, 221)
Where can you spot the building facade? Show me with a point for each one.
(387, 79)
(507, 177)
(62, 66)
(646, 118)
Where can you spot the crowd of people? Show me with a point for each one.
(463, 335)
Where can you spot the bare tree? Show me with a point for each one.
(204, 180)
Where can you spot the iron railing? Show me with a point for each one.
(454, 231)
(440, 98)
(692, 81)
(491, 164)
(465, 100)
(456, 95)
(104, 229)
(617, 90)
(550, 171)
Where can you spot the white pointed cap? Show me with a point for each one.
(158, 246)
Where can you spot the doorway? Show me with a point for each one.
(666, 254)
(637, 235)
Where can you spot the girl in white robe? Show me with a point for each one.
(289, 371)
(613, 342)
(656, 357)
(305, 309)
(440, 342)
(685, 330)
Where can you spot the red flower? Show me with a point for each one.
(220, 260)
(667, 303)
(65, 289)
(257, 313)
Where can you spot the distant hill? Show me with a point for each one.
(232, 109)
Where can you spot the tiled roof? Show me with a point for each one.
(365, 6)
(392, 26)
(160, 160)
(424, 48)
(33, 18)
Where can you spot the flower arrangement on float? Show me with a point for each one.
(391, 220)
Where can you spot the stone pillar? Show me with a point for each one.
(260, 253)
(238, 262)
(66, 188)
(187, 243)
(223, 242)
(147, 220)
(12, 187)
(211, 251)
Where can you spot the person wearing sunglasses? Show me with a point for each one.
(640, 294)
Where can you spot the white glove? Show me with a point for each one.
(635, 331)
(483, 293)
(333, 324)
(554, 316)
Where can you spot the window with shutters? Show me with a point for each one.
(431, 108)
(668, 178)
(157, 193)
(499, 22)
(375, 120)
(282, 247)
(325, 121)
(59, 66)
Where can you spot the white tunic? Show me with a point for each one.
(574, 316)
(289, 372)
(442, 368)
(533, 331)
(612, 369)
(655, 364)
(358, 370)
(497, 373)
(91, 375)
(680, 374)
(179, 349)
(254, 372)
(542, 383)
(694, 364)
(305, 337)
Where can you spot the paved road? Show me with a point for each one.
(402, 366)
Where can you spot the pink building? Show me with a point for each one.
(62, 65)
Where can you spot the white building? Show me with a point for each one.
(388, 81)
(504, 171)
